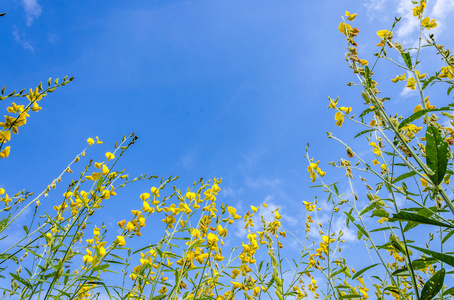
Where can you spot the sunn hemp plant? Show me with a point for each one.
(65, 253)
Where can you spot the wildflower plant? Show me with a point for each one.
(66, 252)
(405, 177)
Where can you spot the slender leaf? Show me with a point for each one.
(411, 217)
(407, 58)
(440, 256)
(433, 286)
(436, 154)
(419, 114)
(360, 272)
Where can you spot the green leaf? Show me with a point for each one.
(419, 114)
(350, 296)
(407, 58)
(360, 272)
(440, 256)
(436, 154)
(404, 176)
(426, 82)
(450, 89)
(411, 217)
(6, 256)
(367, 75)
(433, 286)
(449, 292)
(21, 280)
(363, 132)
(445, 238)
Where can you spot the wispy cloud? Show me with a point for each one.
(374, 6)
(32, 10)
(19, 37)
(440, 11)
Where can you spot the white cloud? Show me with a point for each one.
(439, 12)
(20, 39)
(374, 6)
(32, 10)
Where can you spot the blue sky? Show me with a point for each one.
(232, 89)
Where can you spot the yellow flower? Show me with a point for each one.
(155, 191)
(121, 240)
(90, 141)
(424, 182)
(212, 238)
(363, 62)
(122, 223)
(110, 156)
(411, 83)
(2, 191)
(399, 78)
(339, 118)
(344, 28)
(254, 209)
(350, 16)
(130, 226)
(98, 141)
(5, 135)
(385, 34)
(5, 152)
(190, 195)
(105, 170)
(375, 162)
(147, 208)
(418, 10)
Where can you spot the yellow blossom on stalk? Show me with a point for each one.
(385, 34)
(110, 156)
(5, 135)
(212, 239)
(363, 62)
(424, 182)
(411, 83)
(313, 169)
(417, 108)
(147, 208)
(5, 152)
(309, 206)
(339, 118)
(375, 149)
(2, 191)
(98, 141)
(87, 258)
(90, 141)
(254, 209)
(383, 168)
(350, 16)
(399, 78)
(344, 28)
(419, 9)
(121, 240)
(144, 196)
(130, 226)
(105, 170)
(190, 195)
(163, 290)
(155, 191)
(375, 162)
(122, 223)
(447, 72)
(420, 76)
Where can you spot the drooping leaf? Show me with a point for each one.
(411, 217)
(407, 58)
(419, 114)
(440, 256)
(360, 272)
(436, 154)
(404, 176)
(433, 286)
